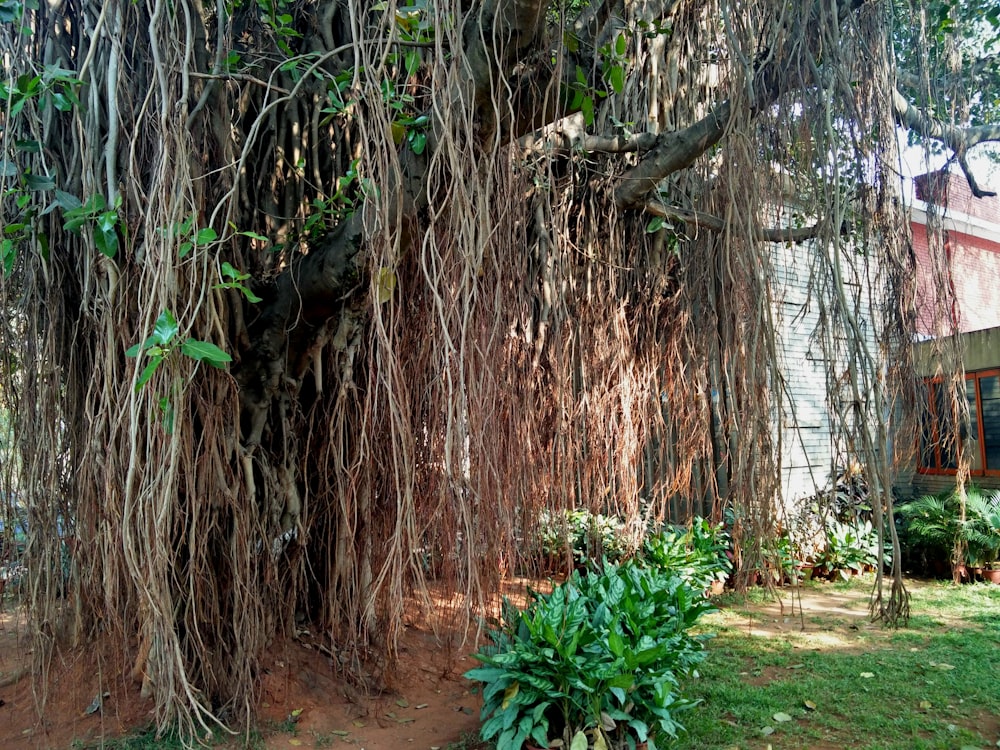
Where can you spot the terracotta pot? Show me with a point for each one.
(992, 575)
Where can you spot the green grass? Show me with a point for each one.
(146, 739)
(933, 684)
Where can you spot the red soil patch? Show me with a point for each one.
(30, 720)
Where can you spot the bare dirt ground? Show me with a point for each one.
(425, 702)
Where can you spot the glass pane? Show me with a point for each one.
(970, 395)
(927, 460)
(989, 392)
(973, 449)
(943, 406)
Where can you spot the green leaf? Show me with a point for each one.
(9, 256)
(417, 140)
(412, 62)
(106, 241)
(168, 415)
(579, 741)
(617, 79)
(232, 273)
(164, 329)
(206, 235)
(185, 249)
(204, 350)
(8, 168)
(39, 182)
(655, 225)
(621, 45)
(10, 11)
(67, 201)
(147, 372)
(254, 236)
(587, 106)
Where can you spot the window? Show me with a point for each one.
(978, 430)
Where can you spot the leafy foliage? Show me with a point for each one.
(852, 548)
(588, 536)
(935, 527)
(699, 554)
(602, 657)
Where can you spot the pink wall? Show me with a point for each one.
(974, 264)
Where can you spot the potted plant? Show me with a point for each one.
(699, 554)
(851, 549)
(598, 662)
(981, 532)
(933, 524)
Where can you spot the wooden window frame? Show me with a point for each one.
(931, 406)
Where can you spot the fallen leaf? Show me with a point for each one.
(403, 703)
(867, 675)
(796, 666)
(809, 705)
(297, 712)
(942, 665)
(295, 742)
(781, 717)
(767, 730)
(358, 723)
(421, 705)
(340, 732)
(925, 704)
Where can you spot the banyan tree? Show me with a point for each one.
(306, 303)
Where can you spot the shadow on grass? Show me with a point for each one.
(845, 683)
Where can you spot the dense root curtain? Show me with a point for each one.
(309, 303)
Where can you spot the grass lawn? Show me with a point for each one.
(825, 677)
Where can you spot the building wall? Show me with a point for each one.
(808, 422)
(980, 351)
(972, 235)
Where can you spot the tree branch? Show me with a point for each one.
(960, 140)
(672, 151)
(570, 134)
(680, 149)
(716, 224)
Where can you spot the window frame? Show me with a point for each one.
(930, 407)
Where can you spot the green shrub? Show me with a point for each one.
(597, 662)
(590, 536)
(934, 526)
(699, 554)
(852, 548)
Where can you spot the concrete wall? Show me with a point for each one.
(980, 351)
